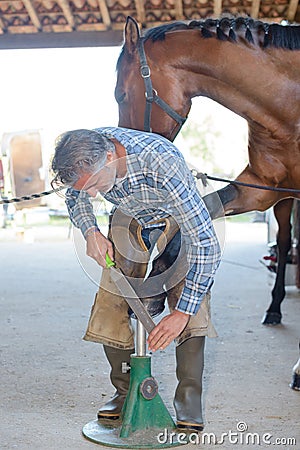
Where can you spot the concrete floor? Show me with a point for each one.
(52, 382)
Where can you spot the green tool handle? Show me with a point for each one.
(109, 262)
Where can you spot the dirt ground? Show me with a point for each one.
(52, 382)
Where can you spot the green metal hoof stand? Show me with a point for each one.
(145, 421)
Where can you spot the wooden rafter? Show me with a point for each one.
(140, 11)
(101, 22)
(33, 14)
(217, 7)
(2, 26)
(104, 13)
(178, 10)
(292, 9)
(255, 8)
(65, 6)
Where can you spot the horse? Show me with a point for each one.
(251, 68)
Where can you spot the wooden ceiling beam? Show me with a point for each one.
(292, 9)
(140, 11)
(104, 13)
(65, 6)
(2, 26)
(179, 10)
(33, 14)
(217, 8)
(61, 39)
(255, 8)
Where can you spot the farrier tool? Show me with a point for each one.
(127, 291)
(144, 416)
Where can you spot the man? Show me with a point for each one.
(146, 178)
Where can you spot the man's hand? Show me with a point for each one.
(97, 245)
(167, 330)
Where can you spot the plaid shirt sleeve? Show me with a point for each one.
(182, 200)
(203, 251)
(80, 210)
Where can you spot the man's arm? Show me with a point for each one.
(172, 188)
(82, 216)
(184, 203)
(168, 329)
(203, 257)
(81, 210)
(202, 247)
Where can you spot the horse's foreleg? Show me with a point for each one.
(282, 211)
(235, 199)
(216, 201)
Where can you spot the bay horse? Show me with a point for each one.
(250, 67)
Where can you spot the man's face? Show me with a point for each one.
(101, 181)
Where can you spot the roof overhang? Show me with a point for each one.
(81, 23)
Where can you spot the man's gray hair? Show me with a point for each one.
(79, 152)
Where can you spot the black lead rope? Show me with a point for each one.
(29, 197)
(199, 175)
(204, 177)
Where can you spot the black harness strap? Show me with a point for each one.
(151, 94)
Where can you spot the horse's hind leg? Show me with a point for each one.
(295, 384)
(282, 212)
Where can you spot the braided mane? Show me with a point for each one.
(226, 29)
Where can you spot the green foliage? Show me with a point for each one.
(201, 138)
(215, 140)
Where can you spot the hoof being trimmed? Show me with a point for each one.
(272, 318)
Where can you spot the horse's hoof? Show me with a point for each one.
(271, 318)
(295, 384)
(154, 306)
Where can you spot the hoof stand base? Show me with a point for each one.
(144, 416)
(108, 432)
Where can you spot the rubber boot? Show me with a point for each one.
(120, 380)
(187, 400)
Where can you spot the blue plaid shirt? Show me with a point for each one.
(158, 184)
